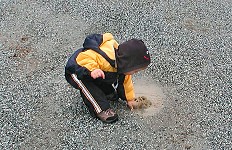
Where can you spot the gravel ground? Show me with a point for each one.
(191, 47)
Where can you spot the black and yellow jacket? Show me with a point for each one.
(99, 52)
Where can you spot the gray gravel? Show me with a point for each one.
(191, 47)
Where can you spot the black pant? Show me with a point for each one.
(93, 92)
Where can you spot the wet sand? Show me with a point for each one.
(145, 86)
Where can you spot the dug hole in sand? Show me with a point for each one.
(146, 89)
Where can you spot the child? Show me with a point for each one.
(102, 71)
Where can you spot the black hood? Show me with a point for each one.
(93, 41)
(132, 55)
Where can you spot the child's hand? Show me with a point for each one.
(132, 104)
(97, 73)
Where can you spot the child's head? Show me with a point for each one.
(132, 56)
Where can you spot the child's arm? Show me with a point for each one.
(97, 73)
(88, 65)
(125, 87)
(88, 59)
(126, 90)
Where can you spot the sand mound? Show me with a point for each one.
(149, 96)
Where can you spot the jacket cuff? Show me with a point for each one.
(130, 96)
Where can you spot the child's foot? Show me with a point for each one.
(108, 116)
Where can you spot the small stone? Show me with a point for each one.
(187, 146)
(24, 39)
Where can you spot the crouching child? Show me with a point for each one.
(102, 70)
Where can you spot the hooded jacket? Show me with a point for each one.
(101, 51)
(132, 55)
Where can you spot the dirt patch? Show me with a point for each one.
(21, 52)
(143, 102)
(150, 93)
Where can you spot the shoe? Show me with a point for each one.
(108, 116)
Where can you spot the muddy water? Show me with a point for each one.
(145, 86)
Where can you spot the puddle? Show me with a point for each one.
(147, 87)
